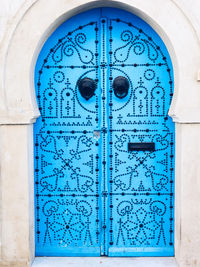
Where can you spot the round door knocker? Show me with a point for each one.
(86, 87)
(120, 86)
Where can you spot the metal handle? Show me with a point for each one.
(86, 87)
(120, 86)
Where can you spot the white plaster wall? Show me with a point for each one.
(15, 183)
(187, 199)
(8, 10)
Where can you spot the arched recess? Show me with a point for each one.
(137, 58)
(35, 23)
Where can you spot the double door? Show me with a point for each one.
(104, 143)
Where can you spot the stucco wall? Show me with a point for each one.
(9, 9)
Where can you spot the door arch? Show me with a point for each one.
(104, 166)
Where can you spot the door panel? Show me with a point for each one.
(141, 188)
(95, 192)
(66, 149)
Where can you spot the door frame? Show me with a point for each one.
(24, 39)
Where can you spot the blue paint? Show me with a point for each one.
(92, 196)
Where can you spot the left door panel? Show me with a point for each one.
(67, 215)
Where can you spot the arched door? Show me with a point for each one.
(104, 144)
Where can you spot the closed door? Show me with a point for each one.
(104, 143)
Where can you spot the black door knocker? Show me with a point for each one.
(120, 86)
(86, 87)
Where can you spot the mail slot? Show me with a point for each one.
(141, 146)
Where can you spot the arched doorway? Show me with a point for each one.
(104, 144)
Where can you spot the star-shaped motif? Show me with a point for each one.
(141, 225)
(67, 226)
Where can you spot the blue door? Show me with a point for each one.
(104, 143)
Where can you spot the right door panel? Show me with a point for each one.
(141, 179)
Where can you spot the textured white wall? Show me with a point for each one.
(9, 9)
(192, 9)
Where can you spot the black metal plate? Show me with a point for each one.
(141, 146)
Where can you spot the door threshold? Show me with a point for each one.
(104, 262)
